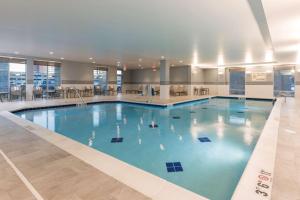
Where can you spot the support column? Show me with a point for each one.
(189, 81)
(29, 78)
(112, 77)
(164, 79)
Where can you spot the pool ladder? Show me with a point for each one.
(82, 102)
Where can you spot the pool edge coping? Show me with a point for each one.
(262, 158)
(171, 187)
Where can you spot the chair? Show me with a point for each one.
(37, 93)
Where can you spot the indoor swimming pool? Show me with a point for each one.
(203, 146)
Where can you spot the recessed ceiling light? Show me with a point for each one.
(172, 65)
(62, 58)
(139, 65)
(91, 58)
(51, 52)
(140, 60)
(180, 61)
(162, 57)
(94, 62)
(16, 52)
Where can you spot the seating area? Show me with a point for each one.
(15, 93)
(71, 92)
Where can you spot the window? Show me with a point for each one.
(46, 75)
(237, 81)
(13, 78)
(100, 77)
(284, 82)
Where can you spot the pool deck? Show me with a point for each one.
(53, 173)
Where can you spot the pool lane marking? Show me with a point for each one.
(22, 177)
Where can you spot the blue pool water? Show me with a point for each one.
(228, 130)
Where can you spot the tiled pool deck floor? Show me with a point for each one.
(56, 174)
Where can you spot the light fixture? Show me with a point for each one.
(91, 58)
(292, 71)
(269, 71)
(162, 57)
(16, 52)
(269, 56)
(94, 62)
(172, 65)
(139, 65)
(140, 60)
(220, 59)
(51, 52)
(248, 58)
(62, 58)
(180, 61)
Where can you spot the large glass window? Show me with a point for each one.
(12, 78)
(119, 80)
(46, 76)
(100, 80)
(237, 81)
(284, 82)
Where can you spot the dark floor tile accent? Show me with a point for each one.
(174, 167)
(116, 140)
(176, 117)
(204, 139)
(153, 126)
(204, 108)
(240, 112)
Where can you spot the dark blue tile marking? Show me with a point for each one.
(204, 139)
(153, 125)
(176, 117)
(116, 140)
(174, 167)
(204, 108)
(240, 112)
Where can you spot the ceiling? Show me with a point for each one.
(135, 32)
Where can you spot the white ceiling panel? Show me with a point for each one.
(118, 30)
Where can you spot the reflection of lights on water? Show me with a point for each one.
(139, 127)
(118, 130)
(172, 128)
(96, 118)
(161, 146)
(220, 118)
(90, 142)
(248, 138)
(140, 141)
(195, 121)
(152, 123)
(194, 131)
(220, 132)
(93, 135)
(180, 137)
(124, 120)
(141, 121)
(248, 123)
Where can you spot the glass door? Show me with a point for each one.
(100, 81)
(119, 80)
(17, 81)
(284, 82)
(237, 82)
(46, 78)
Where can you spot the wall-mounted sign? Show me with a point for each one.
(259, 76)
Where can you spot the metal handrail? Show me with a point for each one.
(80, 97)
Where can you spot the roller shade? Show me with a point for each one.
(46, 63)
